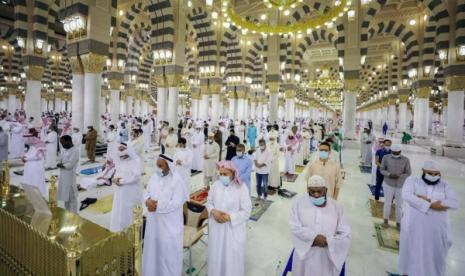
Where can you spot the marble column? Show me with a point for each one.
(290, 109)
(114, 104)
(215, 109)
(232, 108)
(32, 109)
(172, 112)
(350, 105)
(274, 108)
(103, 105)
(455, 115)
(203, 107)
(137, 106)
(194, 108)
(129, 105)
(162, 101)
(392, 114)
(421, 112)
(241, 109)
(77, 101)
(58, 103)
(144, 107)
(11, 102)
(92, 86)
(253, 109)
(403, 121)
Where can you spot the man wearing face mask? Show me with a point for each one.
(395, 168)
(198, 141)
(212, 150)
(329, 169)
(263, 159)
(163, 241)
(291, 146)
(229, 208)
(366, 142)
(274, 176)
(425, 235)
(321, 234)
(231, 144)
(183, 161)
(67, 187)
(243, 164)
(128, 188)
(384, 150)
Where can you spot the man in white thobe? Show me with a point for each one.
(425, 233)
(320, 232)
(183, 161)
(198, 141)
(212, 150)
(112, 143)
(163, 242)
(128, 188)
(16, 145)
(51, 147)
(171, 142)
(67, 187)
(77, 139)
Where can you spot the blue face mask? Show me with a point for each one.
(225, 180)
(159, 172)
(318, 201)
(324, 155)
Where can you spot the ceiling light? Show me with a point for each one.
(214, 15)
(412, 22)
(263, 17)
(286, 12)
(189, 4)
(121, 12)
(351, 14)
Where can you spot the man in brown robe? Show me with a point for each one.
(91, 143)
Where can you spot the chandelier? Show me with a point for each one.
(325, 82)
(267, 28)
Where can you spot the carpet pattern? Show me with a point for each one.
(299, 169)
(388, 238)
(259, 207)
(376, 208)
(102, 206)
(365, 169)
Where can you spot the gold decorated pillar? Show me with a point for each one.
(421, 111)
(215, 90)
(273, 87)
(455, 87)
(162, 97)
(350, 105)
(115, 86)
(93, 65)
(232, 99)
(34, 74)
(403, 95)
(290, 106)
(77, 100)
(241, 93)
(173, 82)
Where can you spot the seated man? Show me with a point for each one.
(320, 232)
(104, 179)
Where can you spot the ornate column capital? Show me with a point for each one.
(241, 94)
(273, 87)
(160, 80)
(115, 84)
(76, 65)
(34, 72)
(173, 80)
(423, 92)
(393, 99)
(215, 88)
(455, 83)
(290, 94)
(351, 85)
(93, 63)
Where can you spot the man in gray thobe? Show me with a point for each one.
(67, 187)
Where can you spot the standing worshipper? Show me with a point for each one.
(321, 234)
(329, 169)
(198, 145)
(396, 168)
(67, 187)
(171, 142)
(380, 153)
(163, 242)
(137, 143)
(209, 164)
(366, 142)
(163, 135)
(291, 146)
(91, 143)
(33, 158)
(123, 133)
(275, 172)
(263, 159)
(219, 141)
(77, 139)
(51, 146)
(3, 146)
(385, 129)
(128, 188)
(231, 144)
(243, 164)
(147, 132)
(251, 135)
(425, 235)
(16, 142)
(229, 208)
(112, 143)
(183, 162)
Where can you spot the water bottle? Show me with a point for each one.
(279, 269)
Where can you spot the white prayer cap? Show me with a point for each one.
(431, 165)
(316, 181)
(396, 147)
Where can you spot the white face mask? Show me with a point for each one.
(123, 153)
(432, 178)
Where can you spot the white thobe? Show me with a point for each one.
(275, 172)
(425, 233)
(138, 146)
(184, 170)
(147, 132)
(366, 149)
(290, 157)
(307, 221)
(34, 171)
(211, 151)
(227, 241)
(127, 195)
(77, 141)
(170, 144)
(51, 147)
(198, 140)
(163, 242)
(112, 145)
(17, 141)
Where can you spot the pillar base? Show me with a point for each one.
(453, 150)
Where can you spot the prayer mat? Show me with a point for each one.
(388, 238)
(299, 169)
(259, 207)
(376, 208)
(19, 172)
(200, 196)
(287, 271)
(102, 206)
(286, 193)
(289, 177)
(91, 171)
(372, 190)
(195, 173)
(365, 169)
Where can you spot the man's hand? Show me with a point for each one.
(219, 216)
(117, 180)
(151, 205)
(206, 157)
(393, 176)
(424, 198)
(437, 206)
(320, 241)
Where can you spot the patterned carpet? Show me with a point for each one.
(259, 207)
(289, 177)
(388, 238)
(376, 208)
(102, 206)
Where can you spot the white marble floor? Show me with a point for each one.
(269, 239)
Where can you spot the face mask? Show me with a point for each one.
(387, 148)
(210, 141)
(122, 153)
(318, 201)
(239, 153)
(159, 172)
(262, 147)
(431, 179)
(324, 155)
(225, 180)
